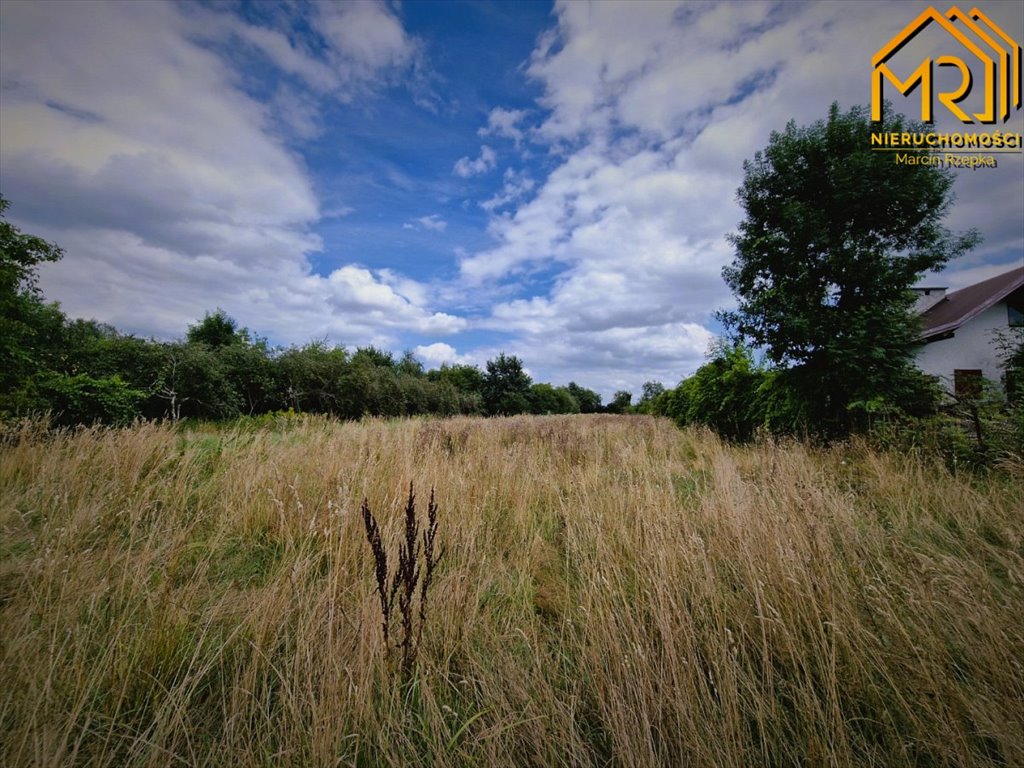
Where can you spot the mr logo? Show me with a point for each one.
(994, 56)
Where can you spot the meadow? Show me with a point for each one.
(612, 592)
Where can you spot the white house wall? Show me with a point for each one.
(971, 347)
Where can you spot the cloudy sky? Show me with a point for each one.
(455, 178)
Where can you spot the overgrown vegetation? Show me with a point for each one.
(740, 398)
(833, 238)
(614, 592)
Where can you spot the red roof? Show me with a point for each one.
(960, 306)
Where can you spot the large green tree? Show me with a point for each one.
(834, 236)
(506, 386)
(29, 328)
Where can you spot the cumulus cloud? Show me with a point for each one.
(131, 145)
(602, 360)
(132, 134)
(465, 167)
(651, 108)
(437, 354)
(356, 292)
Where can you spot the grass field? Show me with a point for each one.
(613, 592)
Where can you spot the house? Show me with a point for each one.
(958, 329)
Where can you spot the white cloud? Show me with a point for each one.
(517, 185)
(433, 223)
(358, 45)
(966, 274)
(465, 167)
(176, 192)
(355, 291)
(437, 354)
(298, 114)
(339, 212)
(132, 147)
(366, 35)
(606, 360)
(504, 122)
(652, 108)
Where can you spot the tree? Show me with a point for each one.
(620, 402)
(250, 373)
(506, 386)
(589, 400)
(834, 236)
(193, 382)
(317, 377)
(217, 330)
(726, 394)
(649, 396)
(373, 357)
(545, 398)
(409, 365)
(465, 378)
(468, 383)
(1010, 345)
(28, 326)
(82, 399)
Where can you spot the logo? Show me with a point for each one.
(993, 63)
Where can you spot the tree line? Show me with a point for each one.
(82, 371)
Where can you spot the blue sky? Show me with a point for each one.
(458, 179)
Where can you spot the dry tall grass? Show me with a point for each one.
(614, 592)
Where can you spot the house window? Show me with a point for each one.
(1015, 310)
(967, 382)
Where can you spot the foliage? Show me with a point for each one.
(466, 378)
(545, 398)
(217, 330)
(1009, 343)
(373, 357)
(251, 374)
(409, 365)
(620, 402)
(82, 399)
(728, 393)
(468, 382)
(589, 401)
(28, 327)
(506, 386)
(649, 394)
(834, 236)
(193, 381)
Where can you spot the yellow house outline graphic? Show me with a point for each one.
(1008, 58)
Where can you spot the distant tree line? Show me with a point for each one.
(81, 371)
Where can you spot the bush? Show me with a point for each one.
(83, 399)
(729, 393)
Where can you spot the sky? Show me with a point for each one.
(459, 179)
